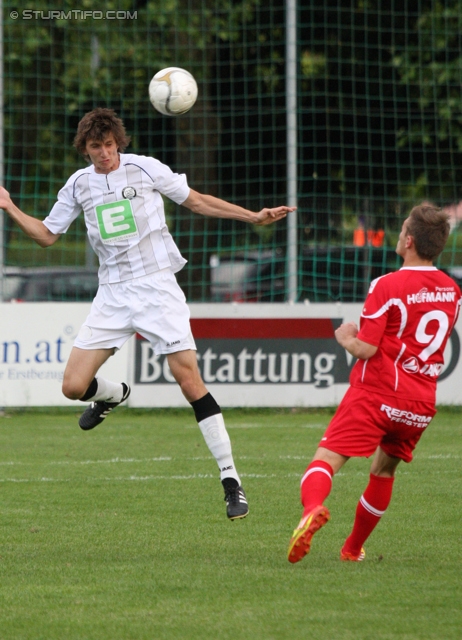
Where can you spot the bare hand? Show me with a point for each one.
(268, 216)
(345, 332)
(5, 200)
(347, 338)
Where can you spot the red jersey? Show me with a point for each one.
(409, 316)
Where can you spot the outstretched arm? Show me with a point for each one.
(32, 227)
(346, 336)
(215, 208)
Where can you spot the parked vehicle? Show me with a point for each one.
(12, 278)
(325, 274)
(55, 284)
(455, 272)
(254, 276)
(343, 273)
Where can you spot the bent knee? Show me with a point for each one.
(192, 388)
(73, 390)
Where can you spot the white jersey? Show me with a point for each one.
(124, 215)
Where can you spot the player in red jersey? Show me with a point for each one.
(405, 323)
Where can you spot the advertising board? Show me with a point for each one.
(274, 355)
(35, 343)
(250, 355)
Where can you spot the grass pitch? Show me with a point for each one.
(121, 534)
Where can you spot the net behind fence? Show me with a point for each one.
(379, 129)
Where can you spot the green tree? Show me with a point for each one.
(58, 68)
(429, 65)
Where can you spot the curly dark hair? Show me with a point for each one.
(95, 125)
(429, 226)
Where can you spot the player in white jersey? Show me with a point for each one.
(121, 198)
(405, 324)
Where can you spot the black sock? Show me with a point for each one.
(90, 392)
(205, 407)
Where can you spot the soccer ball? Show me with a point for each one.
(173, 91)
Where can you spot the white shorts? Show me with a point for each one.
(153, 306)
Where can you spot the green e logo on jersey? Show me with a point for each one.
(116, 221)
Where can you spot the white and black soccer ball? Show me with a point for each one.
(173, 91)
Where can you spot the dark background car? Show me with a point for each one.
(455, 272)
(253, 276)
(343, 273)
(54, 284)
(326, 274)
(12, 279)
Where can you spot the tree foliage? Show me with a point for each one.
(379, 108)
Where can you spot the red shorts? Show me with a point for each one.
(364, 421)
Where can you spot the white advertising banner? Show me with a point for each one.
(269, 355)
(250, 355)
(35, 343)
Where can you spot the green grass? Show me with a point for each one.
(121, 534)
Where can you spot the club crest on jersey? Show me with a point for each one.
(129, 192)
(411, 365)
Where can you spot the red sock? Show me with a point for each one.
(370, 509)
(316, 484)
